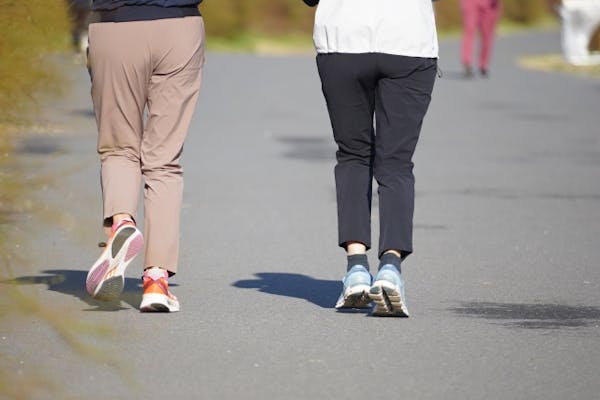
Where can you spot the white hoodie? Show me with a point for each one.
(401, 27)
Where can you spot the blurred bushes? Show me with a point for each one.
(525, 12)
(28, 30)
(233, 17)
(228, 18)
(447, 14)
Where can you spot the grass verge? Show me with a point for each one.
(556, 63)
(21, 304)
(30, 31)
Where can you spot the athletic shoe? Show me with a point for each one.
(157, 297)
(356, 287)
(106, 279)
(387, 293)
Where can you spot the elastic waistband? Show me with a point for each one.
(143, 13)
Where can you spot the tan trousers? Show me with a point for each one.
(152, 69)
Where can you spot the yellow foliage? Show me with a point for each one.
(232, 17)
(516, 11)
(28, 31)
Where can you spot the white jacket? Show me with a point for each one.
(401, 27)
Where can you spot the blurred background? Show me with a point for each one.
(234, 17)
(30, 30)
(42, 41)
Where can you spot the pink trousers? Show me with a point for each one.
(479, 16)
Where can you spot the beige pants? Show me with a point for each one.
(153, 67)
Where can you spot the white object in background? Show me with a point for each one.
(580, 20)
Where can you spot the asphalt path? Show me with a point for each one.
(503, 287)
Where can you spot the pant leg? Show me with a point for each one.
(119, 76)
(178, 51)
(348, 82)
(490, 15)
(469, 23)
(403, 97)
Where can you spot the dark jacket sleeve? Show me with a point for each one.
(311, 3)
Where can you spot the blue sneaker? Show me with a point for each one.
(356, 288)
(387, 293)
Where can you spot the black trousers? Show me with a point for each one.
(396, 90)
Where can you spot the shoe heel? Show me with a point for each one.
(155, 302)
(110, 289)
(388, 302)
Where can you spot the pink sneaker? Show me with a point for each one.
(106, 279)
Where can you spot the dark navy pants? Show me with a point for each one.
(396, 92)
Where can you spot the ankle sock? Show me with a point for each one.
(116, 225)
(156, 273)
(357, 259)
(390, 258)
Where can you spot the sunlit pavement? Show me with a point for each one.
(503, 287)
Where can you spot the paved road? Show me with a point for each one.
(503, 288)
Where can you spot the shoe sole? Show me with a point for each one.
(106, 279)
(355, 297)
(156, 302)
(388, 300)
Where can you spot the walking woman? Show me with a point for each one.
(478, 16)
(145, 58)
(376, 60)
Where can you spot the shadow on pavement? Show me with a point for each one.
(85, 112)
(323, 293)
(38, 146)
(309, 148)
(72, 282)
(532, 316)
(456, 75)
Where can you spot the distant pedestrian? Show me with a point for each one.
(478, 16)
(145, 58)
(375, 59)
(79, 11)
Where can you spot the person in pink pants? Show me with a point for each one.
(478, 16)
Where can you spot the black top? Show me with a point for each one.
(142, 10)
(112, 4)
